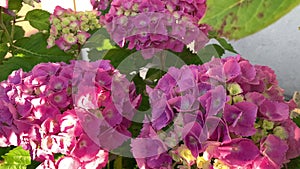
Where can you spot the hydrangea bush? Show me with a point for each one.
(39, 112)
(60, 109)
(229, 114)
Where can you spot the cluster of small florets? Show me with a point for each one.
(70, 28)
(157, 24)
(45, 111)
(229, 114)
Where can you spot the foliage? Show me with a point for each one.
(235, 19)
(150, 45)
(38, 19)
(16, 158)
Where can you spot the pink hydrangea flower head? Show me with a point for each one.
(70, 28)
(156, 25)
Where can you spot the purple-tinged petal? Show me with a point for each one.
(264, 163)
(231, 69)
(274, 111)
(241, 118)
(214, 100)
(238, 152)
(68, 162)
(293, 139)
(274, 148)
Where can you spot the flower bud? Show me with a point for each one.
(268, 125)
(280, 132)
(259, 135)
(234, 89)
(65, 22)
(70, 38)
(238, 98)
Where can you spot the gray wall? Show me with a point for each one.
(277, 46)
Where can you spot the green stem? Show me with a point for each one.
(12, 33)
(118, 163)
(2, 25)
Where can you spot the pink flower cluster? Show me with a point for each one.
(41, 111)
(69, 28)
(100, 5)
(229, 114)
(157, 24)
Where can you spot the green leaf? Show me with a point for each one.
(38, 19)
(294, 163)
(144, 107)
(297, 120)
(226, 45)
(209, 51)
(26, 63)
(4, 150)
(16, 158)
(153, 75)
(99, 45)
(3, 50)
(29, 51)
(116, 56)
(236, 19)
(135, 129)
(15, 4)
(188, 57)
(18, 32)
(36, 45)
(33, 165)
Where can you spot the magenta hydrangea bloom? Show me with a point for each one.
(226, 111)
(156, 25)
(105, 104)
(39, 111)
